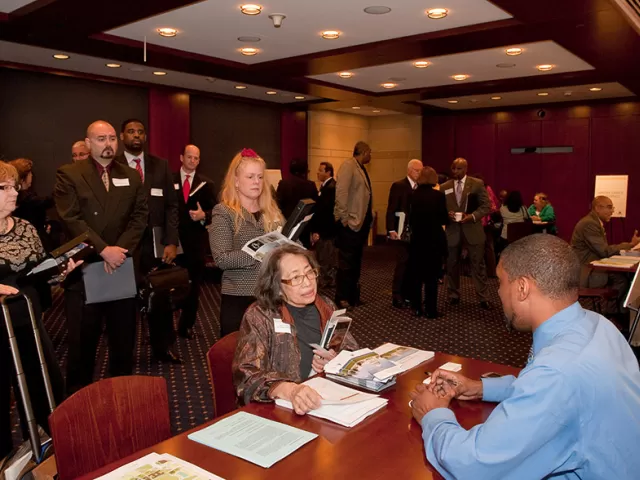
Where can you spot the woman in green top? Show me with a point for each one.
(542, 211)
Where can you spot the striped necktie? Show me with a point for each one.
(139, 169)
(105, 178)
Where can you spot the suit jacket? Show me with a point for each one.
(291, 191)
(590, 243)
(193, 235)
(399, 201)
(353, 195)
(428, 215)
(323, 222)
(474, 201)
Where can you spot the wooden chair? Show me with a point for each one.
(220, 358)
(107, 421)
(597, 296)
(518, 230)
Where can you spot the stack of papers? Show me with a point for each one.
(618, 261)
(342, 405)
(157, 466)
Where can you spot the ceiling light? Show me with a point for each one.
(167, 32)
(377, 10)
(249, 51)
(544, 68)
(473, 100)
(389, 85)
(496, 98)
(375, 111)
(299, 97)
(567, 94)
(437, 13)
(452, 101)
(271, 92)
(249, 39)
(345, 74)
(159, 73)
(356, 108)
(240, 87)
(61, 56)
(513, 51)
(543, 94)
(330, 34)
(460, 77)
(251, 9)
(113, 65)
(595, 89)
(421, 64)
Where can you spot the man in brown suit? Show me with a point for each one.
(590, 243)
(107, 200)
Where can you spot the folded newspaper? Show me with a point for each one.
(260, 246)
(375, 369)
(156, 466)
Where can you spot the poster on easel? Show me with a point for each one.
(615, 187)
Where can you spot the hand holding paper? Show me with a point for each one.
(320, 358)
(303, 397)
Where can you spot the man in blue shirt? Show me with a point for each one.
(574, 410)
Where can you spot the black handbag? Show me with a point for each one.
(166, 280)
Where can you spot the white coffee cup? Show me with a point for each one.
(458, 216)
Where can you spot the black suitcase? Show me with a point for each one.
(39, 443)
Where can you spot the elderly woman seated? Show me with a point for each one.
(274, 354)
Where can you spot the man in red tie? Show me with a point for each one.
(196, 199)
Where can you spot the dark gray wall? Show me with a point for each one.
(42, 115)
(221, 128)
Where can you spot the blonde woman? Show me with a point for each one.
(246, 210)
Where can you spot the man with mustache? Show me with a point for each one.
(107, 200)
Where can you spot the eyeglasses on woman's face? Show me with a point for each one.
(7, 187)
(296, 281)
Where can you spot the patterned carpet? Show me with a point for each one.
(465, 330)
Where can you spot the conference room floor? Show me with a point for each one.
(465, 330)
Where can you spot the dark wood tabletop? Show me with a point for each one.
(386, 445)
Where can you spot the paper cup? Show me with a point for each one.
(458, 216)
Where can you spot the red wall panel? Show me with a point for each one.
(293, 138)
(169, 124)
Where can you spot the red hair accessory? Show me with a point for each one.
(248, 153)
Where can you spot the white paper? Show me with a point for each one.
(258, 247)
(202, 184)
(615, 187)
(451, 366)
(157, 192)
(154, 465)
(176, 186)
(13, 472)
(280, 326)
(120, 182)
(401, 219)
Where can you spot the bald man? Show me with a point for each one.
(79, 151)
(590, 243)
(107, 200)
(400, 202)
(196, 199)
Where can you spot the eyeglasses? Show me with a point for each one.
(8, 188)
(296, 281)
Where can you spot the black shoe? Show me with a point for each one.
(454, 301)
(399, 303)
(485, 305)
(169, 357)
(434, 315)
(417, 313)
(186, 333)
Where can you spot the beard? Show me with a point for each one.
(107, 153)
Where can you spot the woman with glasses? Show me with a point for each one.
(273, 354)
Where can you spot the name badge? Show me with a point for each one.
(176, 186)
(120, 182)
(156, 192)
(449, 191)
(280, 326)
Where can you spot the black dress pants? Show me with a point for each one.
(424, 270)
(195, 264)
(398, 286)
(350, 246)
(232, 308)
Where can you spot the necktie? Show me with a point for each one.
(415, 185)
(139, 169)
(459, 192)
(105, 178)
(186, 188)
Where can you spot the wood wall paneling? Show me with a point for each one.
(169, 124)
(293, 139)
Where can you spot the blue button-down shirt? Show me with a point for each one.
(573, 412)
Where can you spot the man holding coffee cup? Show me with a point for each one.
(467, 203)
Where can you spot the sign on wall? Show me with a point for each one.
(614, 187)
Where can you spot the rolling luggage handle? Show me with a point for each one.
(34, 437)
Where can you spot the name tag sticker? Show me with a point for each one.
(120, 182)
(176, 186)
(449, 191)
(156, 192)
(280, 326)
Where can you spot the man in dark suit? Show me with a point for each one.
(106, 200)
(196, 199)
(163, 217)
(400, 201)
(293, 189)
(323, 225)
(467, 203)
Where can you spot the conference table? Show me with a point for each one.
(386, 445)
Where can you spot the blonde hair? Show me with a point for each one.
(8, 172)
(231, 198)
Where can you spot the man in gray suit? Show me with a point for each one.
(590, 243)
(467, 203)
(352, 211)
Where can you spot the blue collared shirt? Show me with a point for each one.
(573, 412)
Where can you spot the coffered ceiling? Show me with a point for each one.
(588, 42)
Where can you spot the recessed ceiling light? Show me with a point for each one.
(249, 39)
(251, 9)
(345, 74)
(545, 67)
(389, 85)
(271, 92)
(543, 94)
(240, 87)
(377, 10)
(452, 101)
(460, 77)
(299, 97)
(167, 32)
(496, 98)
(567, 94)
(356, 108)
(473, 100)
(375, 111)
(506, 65)
(249, 51)
(595, 89)
(113, 65)
(160, 73)
(437, 13)
(421, 64)
(513, 51)
(61, 56)
(330, 34)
